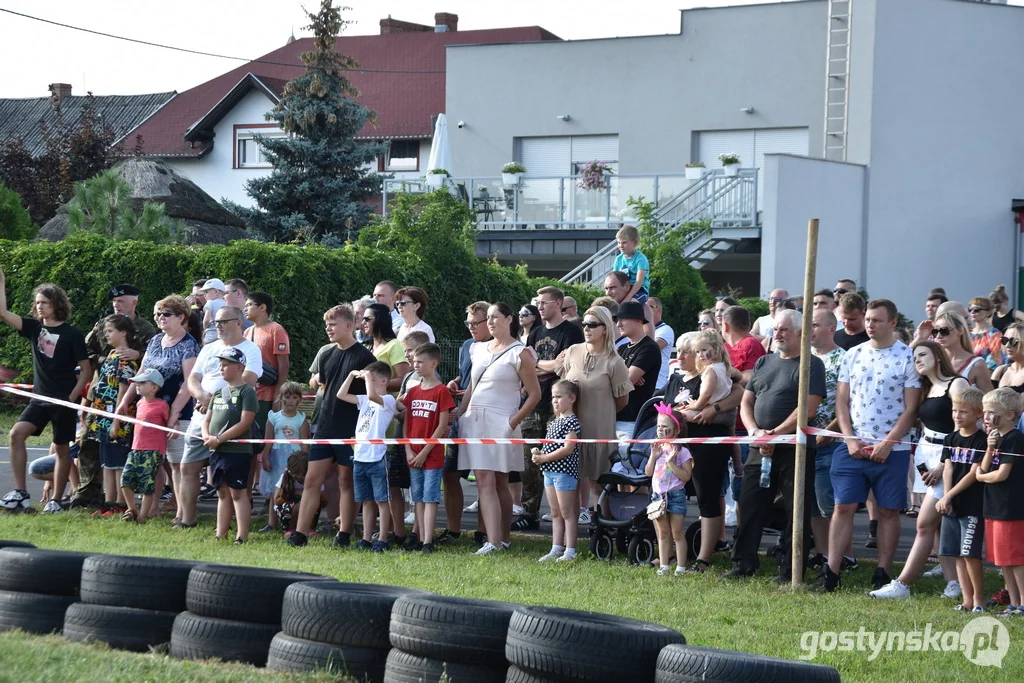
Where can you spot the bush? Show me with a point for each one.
(304, 280)
(15, 221)
(757, 307)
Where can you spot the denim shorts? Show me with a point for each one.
(425, 485)
(823, 481)
(370, 481)
(853, 478)
(560, 481)
(676, 501)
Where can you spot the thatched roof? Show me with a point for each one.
(205, 220)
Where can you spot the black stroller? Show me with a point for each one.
(621, 522)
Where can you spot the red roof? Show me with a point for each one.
(404, 102)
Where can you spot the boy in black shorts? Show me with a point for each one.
(231, 414)
(57, 348)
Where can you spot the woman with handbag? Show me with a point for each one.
(491, 409)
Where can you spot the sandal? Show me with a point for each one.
(130, 516)
(913, 511)
(933, 558)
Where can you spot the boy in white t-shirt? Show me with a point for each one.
(369, 467)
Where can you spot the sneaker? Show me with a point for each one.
(267, 529)
(737, 572)
(479, 538)
(1000, 597)
(327, 528)
(207, 492)
(872, 541)
(961, 608)
(341, 540)
(397, 541)
(505, 545)
(17, 500)
(101, 511)
(848, 564)
(52, 507)
(699, 566)
(978, 609)
(723, 547)
(880, 578)
(412, 544)
(680, 570)
(517, 510)
(828, 582)
(380, 547)
(475, 507)
(953, 590)
(297, 539)
(487, 548)
(817, 562)
(167, 494)
(568, 556)
(546, 517)
(427, 549)
(115, 511)
(585, 517)
(1010, 611)
(447, 537)
(893, 591)
(664, 570)
(362, 544)
(410, 518)
(239, 541)
(181, 525)
(525, 523)
(934, 571)
(553, 554)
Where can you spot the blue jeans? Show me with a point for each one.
(425, 485)
(370, 481)
(823, 480)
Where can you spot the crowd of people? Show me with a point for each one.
(929, 413)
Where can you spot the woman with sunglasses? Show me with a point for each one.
(707, 320)
(987, 339)
(528, 317)
(1003, 314)
(383, 342)
(951, 333)
(411, 304)
(603, 381)
(1012, 374)
(172, 352)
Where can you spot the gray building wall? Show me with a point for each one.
(654, 92)
(946, 148)
(798, 189)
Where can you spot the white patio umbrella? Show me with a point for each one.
(440, 150)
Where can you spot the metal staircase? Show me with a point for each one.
(837, 79)
(727, 203)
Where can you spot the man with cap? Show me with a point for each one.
(642, 356)
(124, 299)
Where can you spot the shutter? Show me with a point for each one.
(711, 143)
(548, 156)
(587, 148)
(776, 141)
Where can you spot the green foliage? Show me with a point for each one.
(15, 221)
(758, 307)
(319, 187)
(679, 285)
(102, 205)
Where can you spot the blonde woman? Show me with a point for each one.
(987, 339)
(950, 331)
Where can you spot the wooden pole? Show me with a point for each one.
(799, 478)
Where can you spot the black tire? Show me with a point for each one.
(350, 614)
(405, 667)
(149, 583)
(569, 645)
(297, 654)
(50, 572)
(124, 628)
(451, 629)
(693, 536)
(641, 551)
(33, 612)
(240, 593)
(15, 544)
(198, 637)
(602, 545)
(517, 675)
(679, 663)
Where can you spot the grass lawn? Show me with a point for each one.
(754, 616)
(9, 415)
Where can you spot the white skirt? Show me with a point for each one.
(929, 454)
(483, 423)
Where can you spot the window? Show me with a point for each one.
(249, 154)
(403, 155)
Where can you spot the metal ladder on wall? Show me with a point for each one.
(837, 79)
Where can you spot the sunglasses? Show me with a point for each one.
(399, 304)
(704, 323)
(567, 308)
(523, 314)
(941, 331)
(368, 320)
(225, 321)
(976, 309)
(164, 314)
(591, 326)
(1012, 342)
(840, 291)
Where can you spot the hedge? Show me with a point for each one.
(304, 281)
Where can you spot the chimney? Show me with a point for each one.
(58, 91)
(446, 21)
(390, 25)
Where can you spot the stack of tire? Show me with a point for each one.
(551, 644)
(338, 627)
(233, 612)
(684, 663)
(37, 586)
(433, 635)
(129, 603)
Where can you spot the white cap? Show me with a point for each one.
(215, 283)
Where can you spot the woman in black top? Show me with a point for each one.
(1003, 315)
(1012, 374)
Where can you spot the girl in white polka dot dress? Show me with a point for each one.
(560, 464)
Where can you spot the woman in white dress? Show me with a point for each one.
(491, 409)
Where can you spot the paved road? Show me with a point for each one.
(469, 521)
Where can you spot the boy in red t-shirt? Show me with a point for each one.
(427, 405)
(148, 446)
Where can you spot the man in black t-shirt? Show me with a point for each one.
(337, 421)
(57, 348)
(643, 360)
(770, 407)
(851, 311)
(548, 341)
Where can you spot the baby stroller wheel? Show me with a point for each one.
(693, 541)
(641, 550)
(602, 545)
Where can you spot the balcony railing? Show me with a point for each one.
(557, 202)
